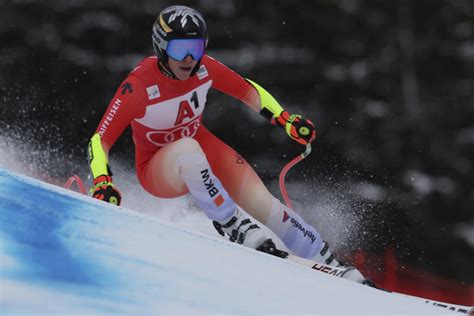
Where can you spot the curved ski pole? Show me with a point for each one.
(284, 171)
(79, 183)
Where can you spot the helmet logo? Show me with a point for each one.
(184, 13)
(165, 26)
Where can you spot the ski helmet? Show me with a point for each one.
(178, 22)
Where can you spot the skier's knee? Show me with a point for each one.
(187, 145)
(189, 153)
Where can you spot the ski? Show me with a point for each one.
(321, 267)
(341, 272)
(468, 310)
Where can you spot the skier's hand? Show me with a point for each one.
(103, 189)
(298, 128)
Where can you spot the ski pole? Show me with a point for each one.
(79, 183)
(285, 170)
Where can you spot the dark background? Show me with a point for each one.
(389, 85)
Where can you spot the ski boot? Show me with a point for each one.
(351, 273)
(241, 230)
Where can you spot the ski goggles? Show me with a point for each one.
(178, 49)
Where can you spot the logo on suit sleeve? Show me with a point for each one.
(127, 87)
(153, 92)
(202, 72)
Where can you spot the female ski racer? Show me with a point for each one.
(163, 99)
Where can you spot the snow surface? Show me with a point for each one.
(338, 216)
(65, 253)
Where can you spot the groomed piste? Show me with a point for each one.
(65, 253)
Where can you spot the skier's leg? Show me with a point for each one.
(304, 240)
(181, 166)
(160, 175)
(248, 191)
(238, 177)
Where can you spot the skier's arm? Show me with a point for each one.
(298, 128)
(255, 96)
(121, 111)
(103, 188)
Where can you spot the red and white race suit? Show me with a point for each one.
(161, 110)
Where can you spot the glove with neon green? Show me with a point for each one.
(298, 128)
(102, 188)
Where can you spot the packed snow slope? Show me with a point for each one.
(65, 253)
